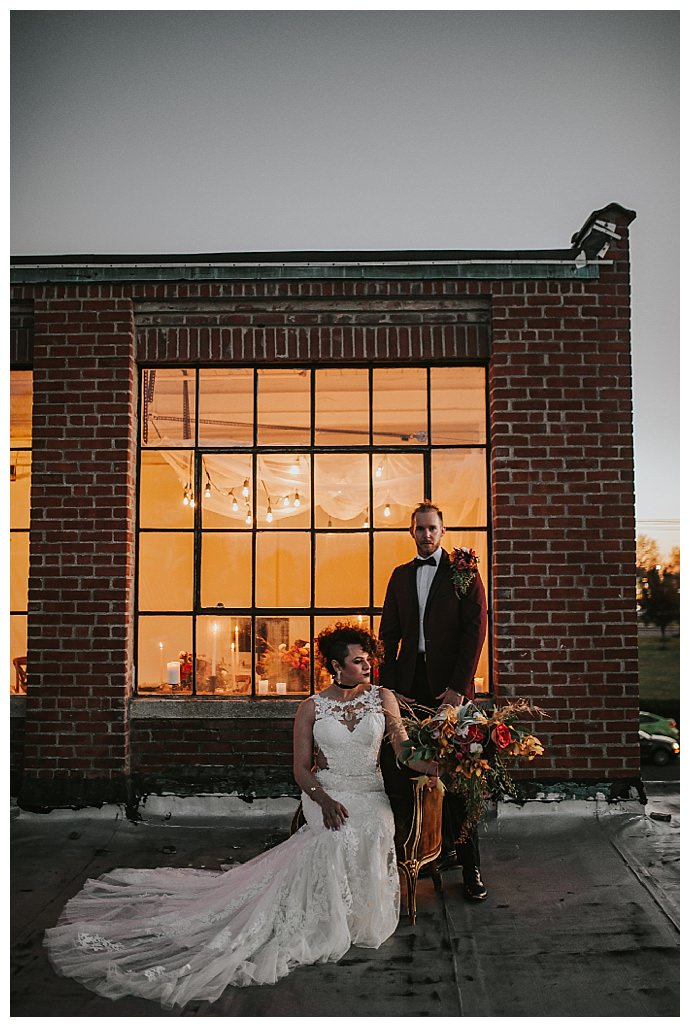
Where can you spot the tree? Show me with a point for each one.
(672, 565)
(659, 599)
(648, 555)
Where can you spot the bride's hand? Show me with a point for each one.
(334, 813)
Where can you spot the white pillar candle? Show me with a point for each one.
(281, 687)
(174, 672)
(263, 686)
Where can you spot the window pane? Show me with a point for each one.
(342, 407)
(342, 570)
(19, 570)
(226, 407)
(400, 414)
(18, 653)
(398, 487)
(390, 549)
(478, 541)
(284, 414)
(21, 401)
(164, 478)
(226, 569)
(341, 487)
(166, 577)
(458, 405)
(458, 485)
(283, 562)
(229, 476)
(20, 489)
(283, 655)
(224, 655)
(168, 403)
(283, 490)
(164, 659)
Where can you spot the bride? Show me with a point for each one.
(173, 935)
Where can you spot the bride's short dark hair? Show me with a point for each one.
(333, 643)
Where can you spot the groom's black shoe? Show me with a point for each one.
(474, 886)
(448, 860)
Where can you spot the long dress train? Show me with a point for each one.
(173, 935)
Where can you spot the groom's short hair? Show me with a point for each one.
(425, 507)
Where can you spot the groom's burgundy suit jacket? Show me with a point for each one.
(454, 631)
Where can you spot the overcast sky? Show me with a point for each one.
(177, 131)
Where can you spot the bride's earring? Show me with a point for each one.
(337, 675)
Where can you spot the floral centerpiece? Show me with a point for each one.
(464, 565)
(471, 744)
(296, 656)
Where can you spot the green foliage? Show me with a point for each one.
(659, 670)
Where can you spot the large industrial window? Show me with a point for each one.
(21, 392)
(274, 501)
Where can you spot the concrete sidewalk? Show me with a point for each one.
(582, 917)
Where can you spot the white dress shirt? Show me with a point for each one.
(425, 575)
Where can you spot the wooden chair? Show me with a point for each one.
(417, 815)
(19, 663)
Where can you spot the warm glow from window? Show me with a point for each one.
(284, 506)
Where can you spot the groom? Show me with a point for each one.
(432, 641)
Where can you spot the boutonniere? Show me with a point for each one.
(464, 565)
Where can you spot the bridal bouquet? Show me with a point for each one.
(471, 744)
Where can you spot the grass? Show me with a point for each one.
(660, 675)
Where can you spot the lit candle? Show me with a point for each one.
(281, 687)
(214, 630)
(359, 619)
(233, 661)
(174, 672)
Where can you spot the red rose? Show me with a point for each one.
(501, 736)
(475, 733)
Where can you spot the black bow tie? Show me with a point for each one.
(424, 563)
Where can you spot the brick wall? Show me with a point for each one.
(250, 756)
(562, 496)
(563, 516)
(81, 548)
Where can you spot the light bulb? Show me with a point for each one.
(245, 488)
(207, 490)
(269, 514)
(296, 500)
(248, 518)
(235, 504)
(386, 510)
(379, 470)
(286, 501)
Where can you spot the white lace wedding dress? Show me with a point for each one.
(173, 935)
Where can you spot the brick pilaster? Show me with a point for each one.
(82, 550)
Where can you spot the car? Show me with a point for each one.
(658, 749)
(653, 724)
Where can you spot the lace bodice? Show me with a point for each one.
(349, 733)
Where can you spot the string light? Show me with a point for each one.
(387, 510)
(248, 518)
(286, 500)
(245, 488)
(188, 497)
(269, 513)
(235, 504)
(207, 490)
(379, 470)
(296, 501)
